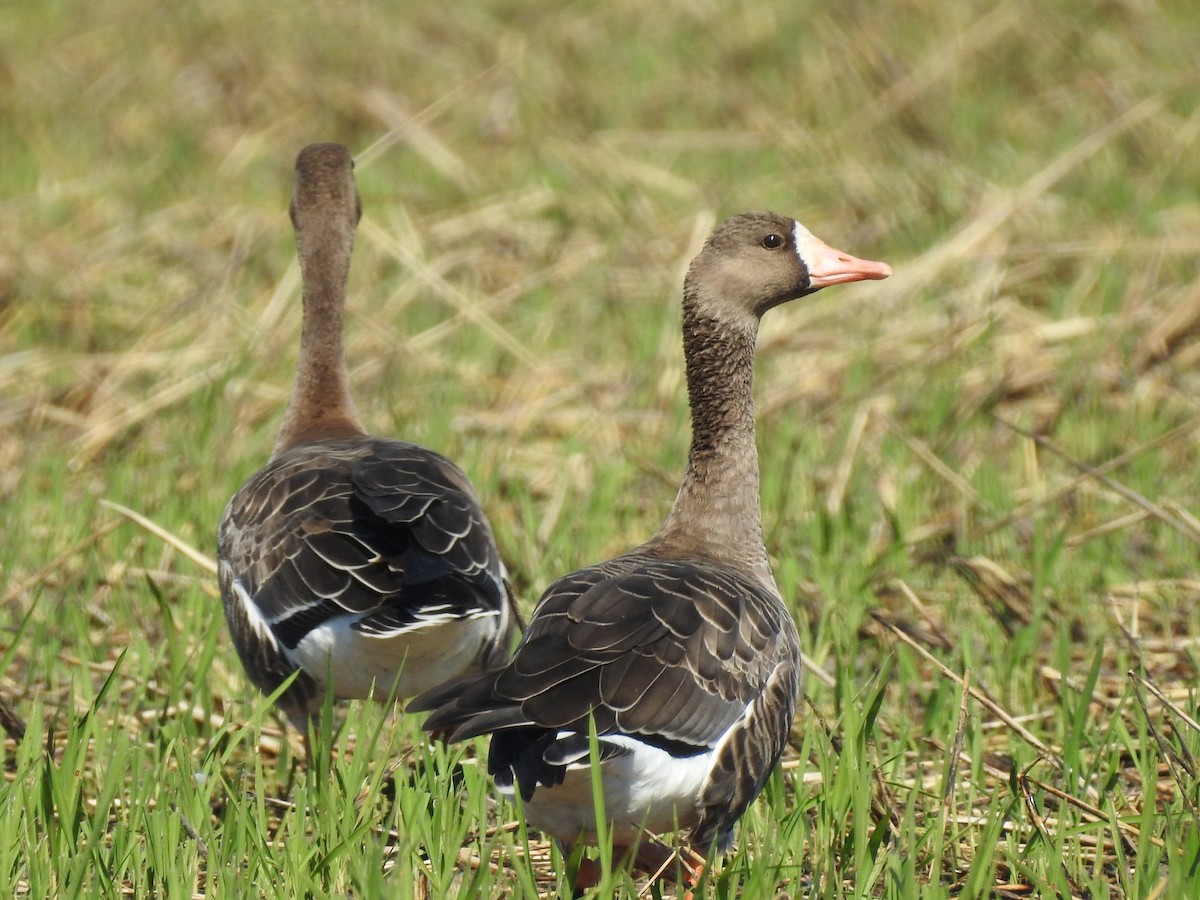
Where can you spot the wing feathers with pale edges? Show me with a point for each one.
(666, 649)
(379, 528)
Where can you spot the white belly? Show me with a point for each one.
(647, 788)
(363, 665)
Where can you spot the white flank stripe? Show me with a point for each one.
(253, 616)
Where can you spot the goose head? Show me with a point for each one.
(325, 209)
(756, 261)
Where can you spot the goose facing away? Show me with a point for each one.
(681, 651)
(349, 558)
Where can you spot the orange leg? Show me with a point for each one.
(590, 870)
(588, 875)
(653, 857)
(657, 860)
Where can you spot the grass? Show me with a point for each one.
(979, 477)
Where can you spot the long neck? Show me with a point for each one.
(716, 512)
(321, 406)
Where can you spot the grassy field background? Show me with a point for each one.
(979, 477)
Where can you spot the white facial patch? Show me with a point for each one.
(804, 240)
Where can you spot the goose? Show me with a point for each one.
(358, 563)
(681, 654)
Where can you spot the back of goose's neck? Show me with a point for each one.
(321, 406)
(716, 513)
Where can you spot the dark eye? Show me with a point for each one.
(772, 242)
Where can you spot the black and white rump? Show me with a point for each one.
(681, 653)
(689, 670)
(361, 563)
(365, 559)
